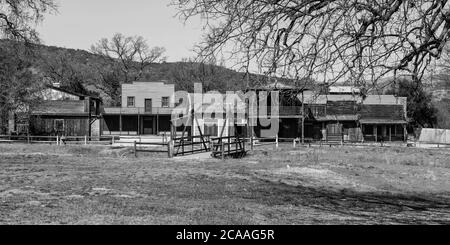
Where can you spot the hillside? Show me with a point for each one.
(85, 72)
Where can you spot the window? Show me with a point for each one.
(165, 102)
(59, 125)
(130, 102)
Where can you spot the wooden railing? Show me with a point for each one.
(231, 146)
(191, 144)
(57, 140)
(138, 110)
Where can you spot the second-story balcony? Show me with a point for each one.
(138, 111)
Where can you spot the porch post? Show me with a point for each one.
(390, 133)
(405, 133)
(139, 123)
(157, 123)
(120, 123)
(376, 132)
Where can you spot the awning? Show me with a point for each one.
(340, 118)
(382, 121)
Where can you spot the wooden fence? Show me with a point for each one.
(58, 140)
(223, 147)
(191, 145)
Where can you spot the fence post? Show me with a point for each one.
(277, 142)
(135, 149)
(295, 143)
(85, 140)
(113, 140)
(57, 140)
(251, 143)
(169, 149)
(223, 151)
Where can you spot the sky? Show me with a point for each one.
(81, 23)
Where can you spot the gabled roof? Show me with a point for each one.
(71, 92)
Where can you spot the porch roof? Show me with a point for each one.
(382, 121)
(338, 118)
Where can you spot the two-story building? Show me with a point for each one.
(338, 114)
(146, 109)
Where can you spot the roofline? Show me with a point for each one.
(72, 93)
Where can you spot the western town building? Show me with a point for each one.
(146, 109)
(60, 112)
(340, 113)
(335, 114)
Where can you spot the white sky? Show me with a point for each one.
(81, 23)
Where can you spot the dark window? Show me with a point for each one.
(369, 130)
(130, 102)
(165, 102)
(59, 125)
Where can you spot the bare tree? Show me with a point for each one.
(328, 40)
(18, 16)
(132, 54)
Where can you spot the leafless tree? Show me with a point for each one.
(17, 18)
(133, 54)
(327, 40)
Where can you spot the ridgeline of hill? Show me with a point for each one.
(84, 72)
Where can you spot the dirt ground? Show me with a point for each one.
(42, 184)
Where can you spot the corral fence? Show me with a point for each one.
(178, 146)
(224, 147)
(191, 145)
(58, 140)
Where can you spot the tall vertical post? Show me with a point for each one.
(135, 149)
(157, 123)
(139, 122)
(303, 117)
(120, 123)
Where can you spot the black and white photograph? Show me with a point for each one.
(225, 113)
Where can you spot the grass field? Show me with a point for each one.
(42, 184)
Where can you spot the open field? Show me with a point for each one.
(41, 184)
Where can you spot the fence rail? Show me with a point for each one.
(231, 146)
(58, 140)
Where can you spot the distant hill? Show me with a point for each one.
(85, 72)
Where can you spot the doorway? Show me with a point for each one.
(148, 105)
(148, 125)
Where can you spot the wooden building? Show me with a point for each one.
(146, 109)
(61, 112)
(341, 114)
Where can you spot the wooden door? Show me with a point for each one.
(148, 105)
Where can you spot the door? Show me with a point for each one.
(148, 125)
(148, 105)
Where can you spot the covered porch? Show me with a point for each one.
(384, 130)
(131, 122)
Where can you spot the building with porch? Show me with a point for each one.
(146, 109)
(339, 114)
(60, 112)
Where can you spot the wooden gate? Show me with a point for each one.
(225, 147)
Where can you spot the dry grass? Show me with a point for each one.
(101, 185)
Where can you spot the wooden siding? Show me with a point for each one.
(148, 90)
(389, 112)
(341, 107)
(71, 126)
(62, 107)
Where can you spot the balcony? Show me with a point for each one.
(138, 111)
